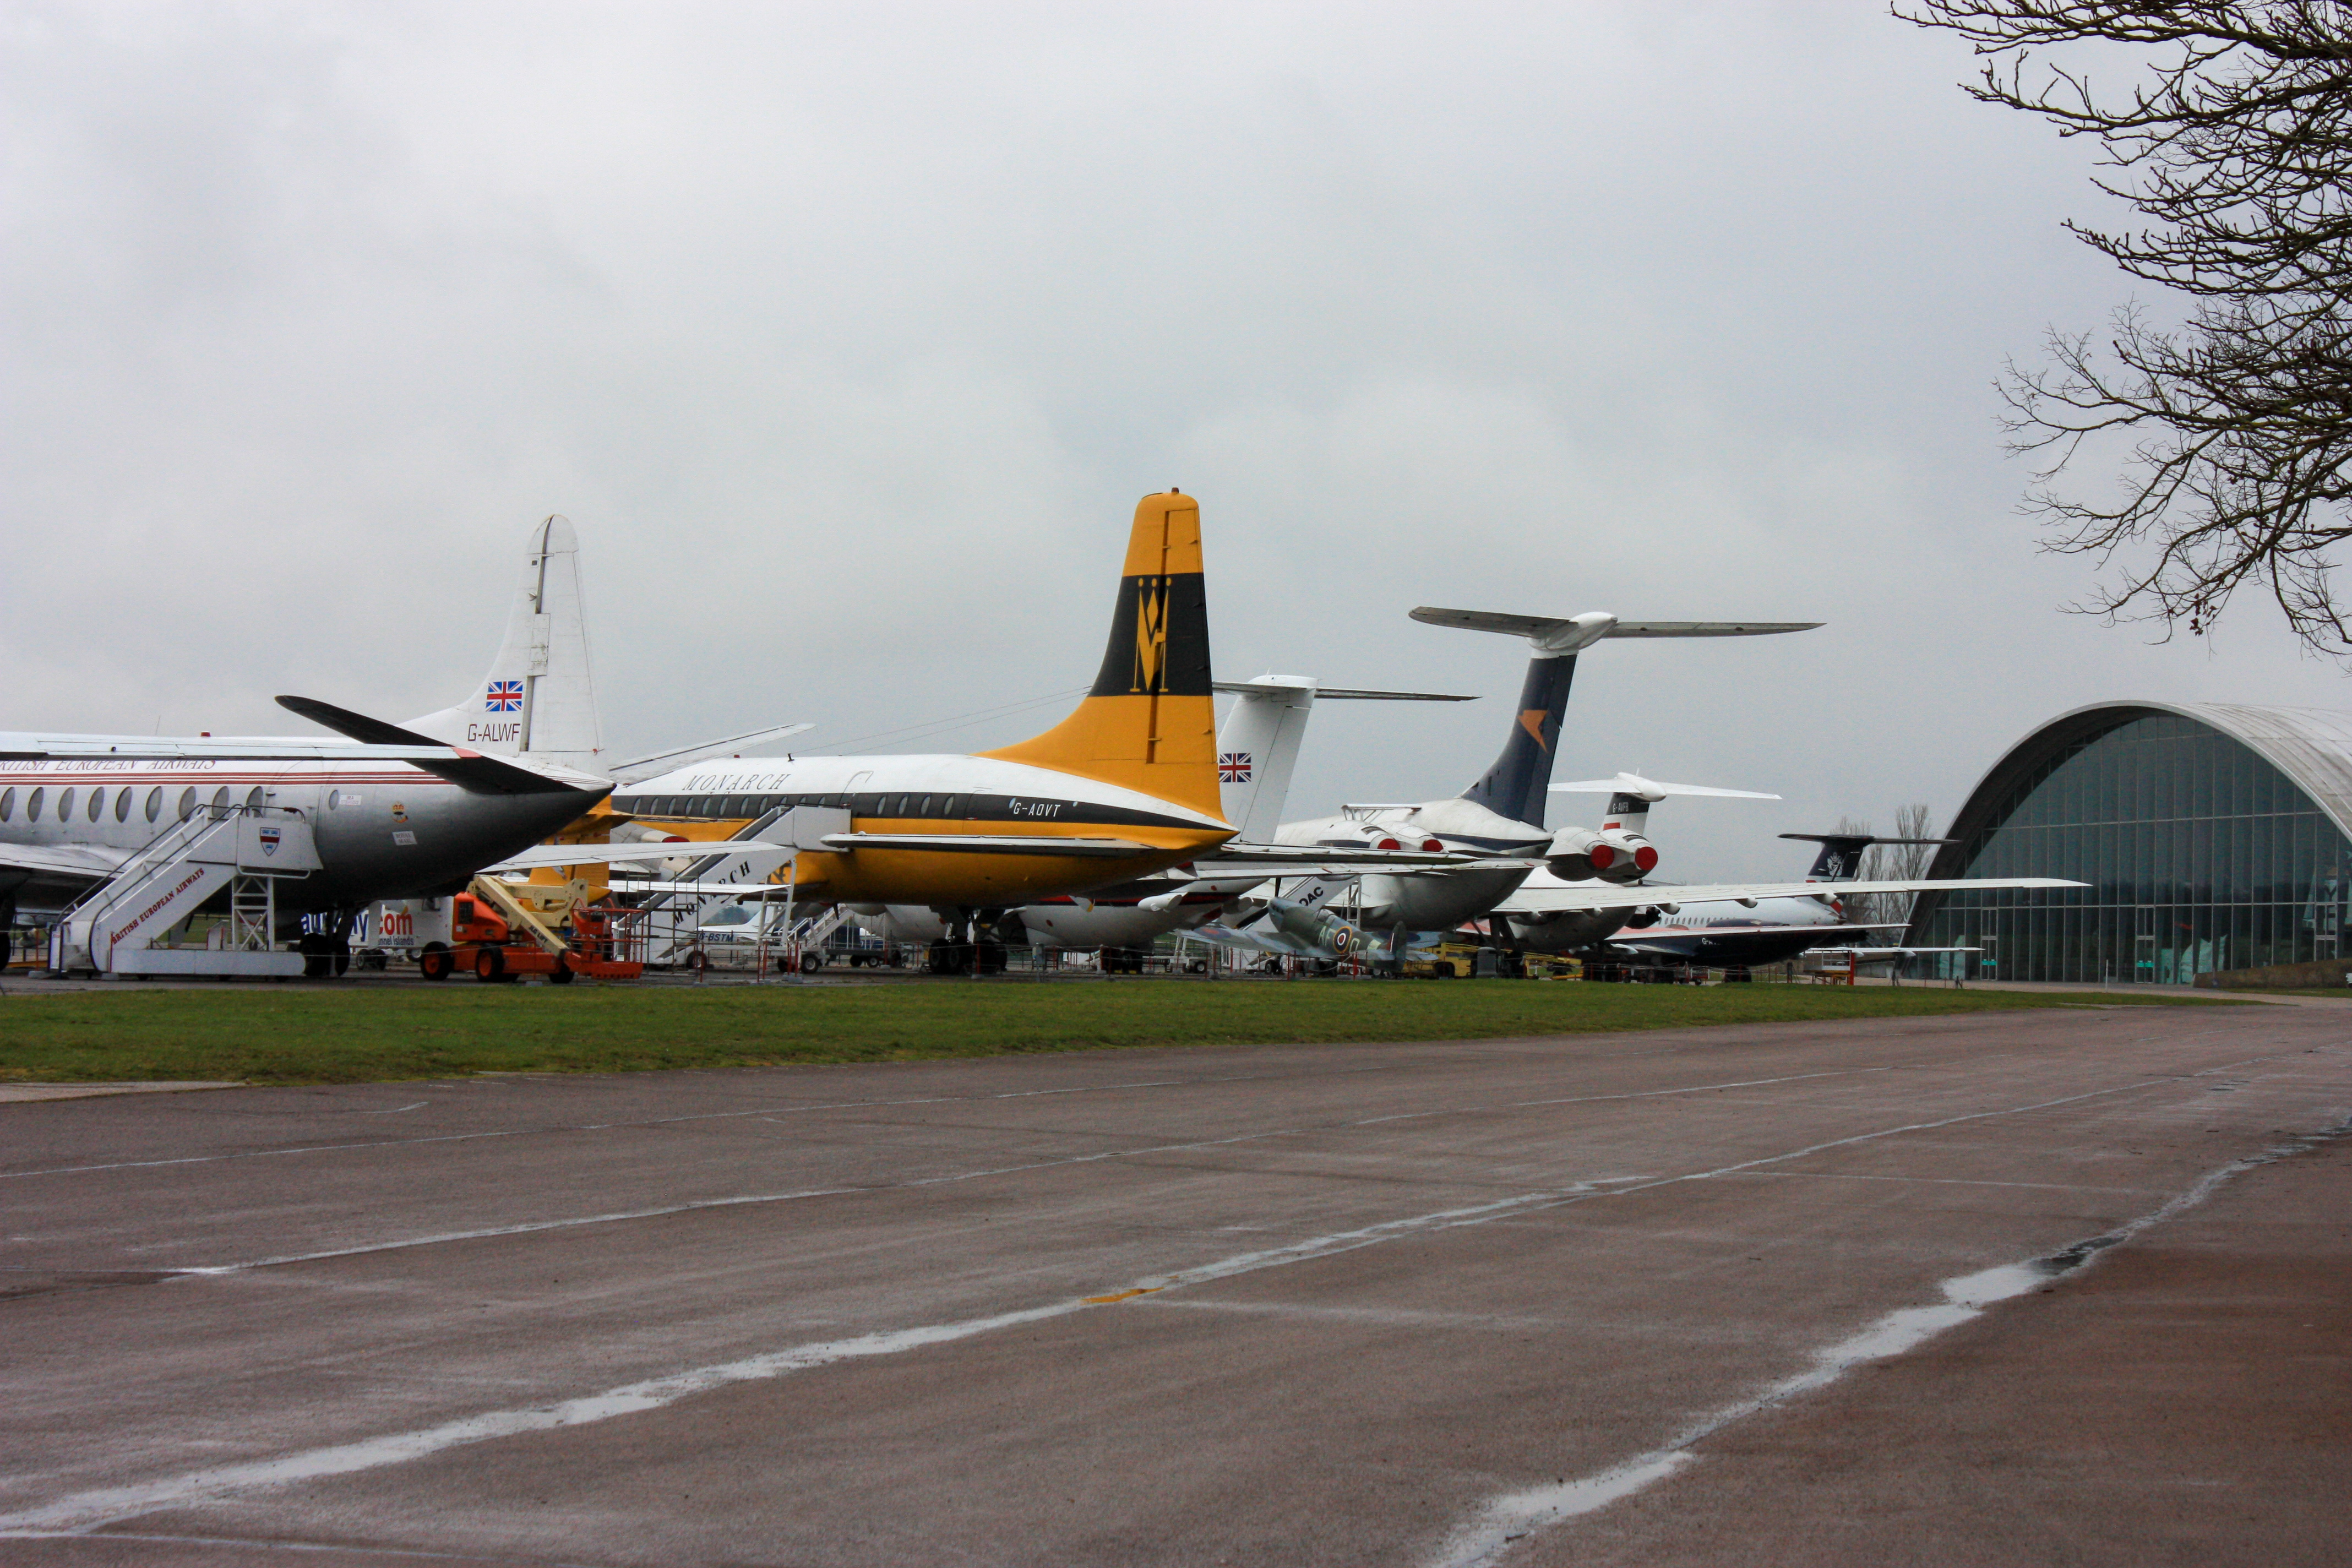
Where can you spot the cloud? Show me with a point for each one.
(848, 338)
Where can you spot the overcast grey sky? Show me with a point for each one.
(847, 336)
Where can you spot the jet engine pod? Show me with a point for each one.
(1611, 855)
(1384, 836)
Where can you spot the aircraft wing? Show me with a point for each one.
(18, 746)
(1253, 941)
(1541, 626)
(1881, 955)
(1539, 900)
(1323, 859)
(541, 855)
(988, 844)
(1686, 934)
(62, 859)
(654, 763)
(807, 893)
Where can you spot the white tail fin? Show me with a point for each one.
(540, 695)
(1257, 748)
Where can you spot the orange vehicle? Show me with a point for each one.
(504, 931)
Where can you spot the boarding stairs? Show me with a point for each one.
(116, 927)
(815, 931)
(673, 917)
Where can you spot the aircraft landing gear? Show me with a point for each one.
(324, 956)
(968, 948)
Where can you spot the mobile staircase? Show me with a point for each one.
(117, 928)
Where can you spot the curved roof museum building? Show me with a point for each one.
(2213, 838)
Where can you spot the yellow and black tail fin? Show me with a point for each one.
(1150, 722)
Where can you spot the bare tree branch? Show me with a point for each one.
(2236, 144)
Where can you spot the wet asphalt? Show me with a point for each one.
(1650, 1297)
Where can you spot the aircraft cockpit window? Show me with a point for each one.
(187, 803)
(123, 804)
(65, 805)
(33, 806)
(8, 803)
(155, 803)
(732, 915)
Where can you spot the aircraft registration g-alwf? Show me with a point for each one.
(1125, 786)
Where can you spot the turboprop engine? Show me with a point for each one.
(1611, 854)
(1318, 929)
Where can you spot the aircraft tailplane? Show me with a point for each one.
(1150, 722)
(540, 695)
(1841, 856)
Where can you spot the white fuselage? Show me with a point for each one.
(1427, 900)
(1572, 931)
(381, 830)
(951, 795)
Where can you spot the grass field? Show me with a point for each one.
(363, 1034)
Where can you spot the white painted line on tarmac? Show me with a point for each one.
(739, 1201)
(763, 1113)
(1510, 1517)
(1503, 1521)
(1934, 1181)
(1591, 1099)
(84, 1511)
(524, 1228)
(532, 1227)
(248, 1544)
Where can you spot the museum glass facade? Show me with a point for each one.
(2200, 855)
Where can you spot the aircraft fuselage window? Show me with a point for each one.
(954, 806)
(65, 805)
(8, 803)
(220, 799)
(33, 806)
(155, 803)
(257, 797)
(96, 804)
(187, 803)
(926, 810)
(123, 804)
